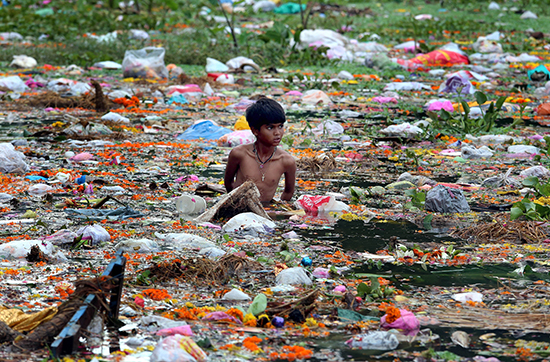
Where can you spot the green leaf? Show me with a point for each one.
(369, 275)
(481, 98)
(362, 290)
(499, 103)
(466, 107)
(531, 181)
(427, 223)
(259, 304)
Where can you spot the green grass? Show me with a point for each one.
(393, 21)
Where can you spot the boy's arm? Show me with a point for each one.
(231, 170)
(290, 178)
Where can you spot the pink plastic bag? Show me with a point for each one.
(407, 322)
(183, 330)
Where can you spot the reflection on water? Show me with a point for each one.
(373, 236)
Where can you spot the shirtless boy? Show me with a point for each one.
(263, 162)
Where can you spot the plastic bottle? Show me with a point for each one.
(377, 340)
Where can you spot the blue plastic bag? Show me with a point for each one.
(206, 130)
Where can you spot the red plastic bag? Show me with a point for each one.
(437, 58)
(543, 109)
(311, 203)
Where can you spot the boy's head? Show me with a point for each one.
(264, 111)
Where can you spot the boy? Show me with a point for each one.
(263, 162)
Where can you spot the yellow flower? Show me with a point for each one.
(311, 322)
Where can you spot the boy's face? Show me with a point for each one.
(270, 134)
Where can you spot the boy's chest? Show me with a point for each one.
(268, 173)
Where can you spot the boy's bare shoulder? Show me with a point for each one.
(286, 157)
(241, 150)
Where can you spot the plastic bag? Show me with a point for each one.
(468, 297)
(470, 152)
(137, 246)
(238, 62)
(440, 58)
(204, 129)
(12, 161)
(177, 348)
(214, 65)
(407, 321)
(446, 200)
(39, 189)
(186, 241)
(543, 109)
(13, 83)
(376, 340)
(145, 63)
(60, 237)
(402, 130)
(236, 294)
(292, 276)
(183, 330)
(94, 232)
(249, 223)
(523, 149)
(237, 138)
(18, 249)
(484, 45)
(115, 117)
(454, 83)
(329, 128)
(537, 171)
(23, 61)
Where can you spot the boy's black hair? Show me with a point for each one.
(264, 111)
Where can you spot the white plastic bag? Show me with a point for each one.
(537, 171)
(145, 63)
(314, 97)
(115, 117)
(292, 276)
(236, 294)
(18, 249)
(523, 149)
(470, 152)
(60, 237)
(137, 246)
(402, 130)
(39, 189)
(249, 223)
(186, 241)
(468, 297)
(214, 66)
(23, 61)
(12, 161)
(329, 128)
(13, 83)
(94, 232)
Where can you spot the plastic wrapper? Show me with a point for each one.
(12, 161)
(145, 63)
(445, 200)
(470, 152)
(440, 58)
